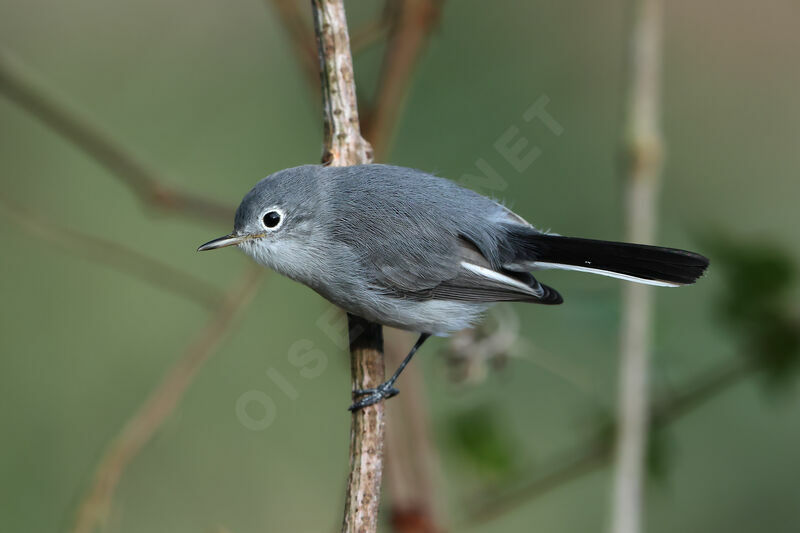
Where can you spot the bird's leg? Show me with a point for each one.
(386, 389)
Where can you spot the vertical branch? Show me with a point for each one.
(643, 167)
(597, 453)
(343, 145)
(367, 430)
(408, 36)
(412, 463)
(290, 14)
(411, 459)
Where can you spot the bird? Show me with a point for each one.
(404, 248)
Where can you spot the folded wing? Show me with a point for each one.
(463, 274)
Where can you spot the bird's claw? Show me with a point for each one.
(384, 391)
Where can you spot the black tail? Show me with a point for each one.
(636, 262)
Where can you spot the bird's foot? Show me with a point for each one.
(384, 391)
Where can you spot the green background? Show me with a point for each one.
(210, 94)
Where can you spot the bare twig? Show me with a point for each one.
(598, 453)
(412, 463)
(644, 148)
(301, 35)
(114, 254)
(368, 34)
(411, 27)
(366, 430)
(302, 38)
(343, 145)
(562, 471)
(96, 505)
(18, 84)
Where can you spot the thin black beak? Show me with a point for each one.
(222, 242)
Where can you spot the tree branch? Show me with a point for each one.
(19, 85)
(96, 504)
(343, 145)
(598, 453)
(115, 255)
(644, 148)
(368, 34)
(366, 430)
(302, 39)
(412, 463)
(412, 24)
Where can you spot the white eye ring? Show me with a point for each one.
(268, 217)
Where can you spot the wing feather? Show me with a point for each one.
(465, 275)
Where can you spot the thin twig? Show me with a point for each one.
(368, 34)
(96, 505)
(343, 145)
(564, 470)
(367, 430)
(412, 462)
(644, 149)
(598, 453)
(113, 254)
(411, 28)
(302, 37)
(22, 87)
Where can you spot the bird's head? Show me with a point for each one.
(275, 218)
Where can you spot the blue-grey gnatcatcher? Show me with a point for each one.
(406, 249)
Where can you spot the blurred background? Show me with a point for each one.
(103, 293)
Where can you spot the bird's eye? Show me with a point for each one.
(272, 219)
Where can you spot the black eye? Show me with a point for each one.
(272, 219)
